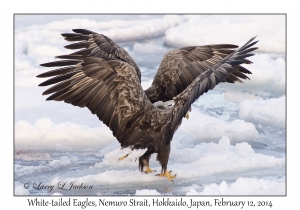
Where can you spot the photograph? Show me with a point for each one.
(150, 105)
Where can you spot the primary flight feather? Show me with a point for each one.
(103, 77)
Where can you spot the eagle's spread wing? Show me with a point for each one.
(110, 88)
(95, 45)
(105, 79)
(179, 68)
(208, 80)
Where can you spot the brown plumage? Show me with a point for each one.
(105, 79)
(180, 67)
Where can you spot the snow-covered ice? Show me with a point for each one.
(269, 112)
(244, 186)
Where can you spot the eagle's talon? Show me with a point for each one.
(148, 170)
(168, 175)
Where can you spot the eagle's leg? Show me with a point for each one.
(144, 161)
(163, 158)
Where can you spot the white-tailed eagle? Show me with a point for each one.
(104, 78)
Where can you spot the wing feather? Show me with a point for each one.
(55, 72)
(179, 68)
(110, 88)
(95, 45)
(223, 70)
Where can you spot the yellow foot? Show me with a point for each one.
(148, 170)
(168, 175)
(123, 157)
